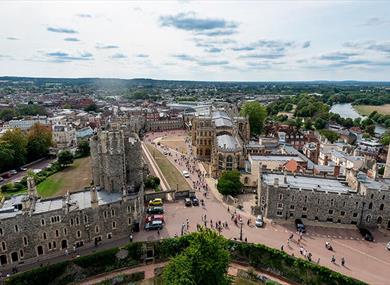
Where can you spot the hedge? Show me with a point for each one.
(257, 255)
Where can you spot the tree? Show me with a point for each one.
(8, 114)
(91, 108)
(83, 148)
(229, 183)
(152, 182)
(256, 113)
(330, 135)
(65, 158)
(39, 141)
(17, 142)
(308, 125)
(385, 139)
(204, 262)
(319, 123)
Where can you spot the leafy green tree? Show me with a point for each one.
(17, 142)
(319, 123)
(91, 108)
(65, 158)
(330, 135)
(8, 114)
(204, 262)
(6, 157)
(308, 125)
(385, 139)
(83, 148)
(39, 141)
(256, 113)
(229, 183)
(152, 182)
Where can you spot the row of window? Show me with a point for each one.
(204, 133)
(203, 141)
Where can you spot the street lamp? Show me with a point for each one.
(241, 222)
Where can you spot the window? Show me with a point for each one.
(71, 222)
(330, 212)
(77, 221)
(381, 207)
(112, 212)
(368, 218)
(97, 229)
(280, 196)
(292, 207)
(344, 204)
(114, 225)
(25, 241)
(3, 246)
(370, 205)
(372, 196)
(54, 244)
(342, 213)
(49, 245)
(42, 222)
(105, 214)
(354, 215)
(383, 197)
(129, 221)
(21, 253)
(304, 209)
(55, 219)
(331, 202)
(229, 162)
(305, 199)
(57, 233)
(318, 201)
(65, 231)
(78, 234)
(128, 209)
(16, 228)
(280, 205)
(292, 198)
(85, 219)
(109, 235)
(1, 232)
(279, 213)
(44, 235)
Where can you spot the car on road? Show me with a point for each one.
(187, 202)
(1, 179)
(194, 201)
(366, 234)
(22, 169)
(186, 174)
(388, 246)
(259, 221)
(155, 210)
(156, 202)
(300, 226)
(156, 217)
(154, 225)
(13, 172)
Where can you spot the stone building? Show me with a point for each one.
(355, 200)
(220, 138)
(32, 227)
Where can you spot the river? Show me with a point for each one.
(346, 110)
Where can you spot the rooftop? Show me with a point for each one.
(276, 158)
(308, 182)
(228, 142)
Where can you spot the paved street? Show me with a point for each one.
(363, 260)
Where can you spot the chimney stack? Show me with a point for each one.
(336, 170)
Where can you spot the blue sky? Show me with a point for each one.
(204, 40)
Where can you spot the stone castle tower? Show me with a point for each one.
(386, 174)
(117, 164)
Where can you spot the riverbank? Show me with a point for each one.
(366, 110)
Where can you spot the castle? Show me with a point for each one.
(220, 137)
(33, 227)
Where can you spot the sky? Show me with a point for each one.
(197, 40)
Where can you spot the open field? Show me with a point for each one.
(366, 110)
(175, 142)
(172, 175)
(73, 178)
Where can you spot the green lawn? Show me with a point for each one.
(50, 186)
(172, 175)
(366, 110)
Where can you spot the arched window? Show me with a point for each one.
(379, 220)
(370, 206)
(220, 161)
(246, 180)
(368, 218)
(229, 163)
(372, 196)
(381, 207)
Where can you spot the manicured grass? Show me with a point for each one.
(171, 173)
(366, 110)
(175, 142)
(73, 178)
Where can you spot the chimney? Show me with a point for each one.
(285, 177)
(336, 170)
(374, 171)
(94, 198)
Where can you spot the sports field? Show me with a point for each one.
(366, 110)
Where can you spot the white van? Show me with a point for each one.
(186, 174)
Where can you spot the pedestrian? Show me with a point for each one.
(228, 209)
(318, 261)
(333, 260)
(282, 247)
(66, 251)
(131, 237)
(158, 232)
(246, 240)
(342, 261)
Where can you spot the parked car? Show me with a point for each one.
(154, 225)
(1, 179)
(13, 172)
(186, 174)
(388, 246)
(155, 210)
(156, 217)
(259, 221)
(366, 234)
(300, 225)
(156, 202)
(22, 169)
(6, 175)
(187, 202)
(195, 201)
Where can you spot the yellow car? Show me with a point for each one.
(156, 202)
